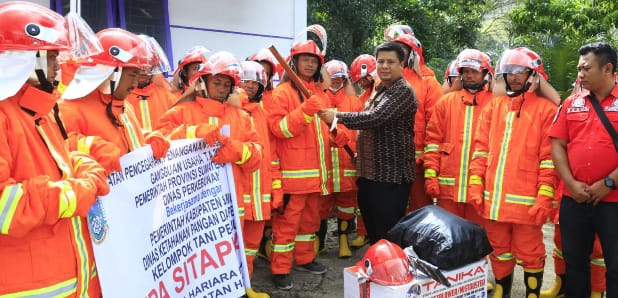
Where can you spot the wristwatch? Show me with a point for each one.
(609, 182)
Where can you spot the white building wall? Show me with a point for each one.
(239, 26)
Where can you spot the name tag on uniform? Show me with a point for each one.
(578, 110)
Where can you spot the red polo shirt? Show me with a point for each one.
(590, 148)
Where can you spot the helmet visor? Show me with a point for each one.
(158, 58)
(514, 69)
(84, 43)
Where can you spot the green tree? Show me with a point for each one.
(355, 27)
(557, 28)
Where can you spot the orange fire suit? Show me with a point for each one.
(343, 199)
(512, 178)
(45, 247)
(88, 116)
(427, 91)
(258, 196)
(150, 103)
(449, 148)
(304, 153)
(182, 120)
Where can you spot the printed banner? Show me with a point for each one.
(168, 227)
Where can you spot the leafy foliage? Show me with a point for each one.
(553, 28)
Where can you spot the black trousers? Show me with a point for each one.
(578, 224)
(382, 205)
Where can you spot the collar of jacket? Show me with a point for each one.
(36, 100)
(146, 91)
(251, 106)
(211, 106)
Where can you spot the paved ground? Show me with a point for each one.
(307, 285)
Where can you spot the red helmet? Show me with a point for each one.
(393, 31)
(121, 48)
(474, 59)
(537, 63)
(253, 71)
(158, 57)
(196, 54)
(414, 44)
(362, 66)
(336, 69)
(385, 263)
(517, 60)
(451, 70)
(223, 63)
(307, 47)
(29, 26)
(264, 55)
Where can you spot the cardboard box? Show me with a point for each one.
(466, 281)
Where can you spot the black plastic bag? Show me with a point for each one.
(441, 238)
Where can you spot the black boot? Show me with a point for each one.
(533, 278)
(503, 287)
(322, 236)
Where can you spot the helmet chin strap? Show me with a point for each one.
(511, 93)
(115, 78)
(41, 71)
(473, 88)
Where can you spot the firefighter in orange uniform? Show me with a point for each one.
(265, 58)
(342, 200)
(363, 72)
(267, 61)
(45, 248)
(202, 114)
(304, 152)
(450, 133)
(95, 106)
(512, 176)
(427, 91)
(149, 100)
(264, 190)
(187, 68)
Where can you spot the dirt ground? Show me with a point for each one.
(308, 285)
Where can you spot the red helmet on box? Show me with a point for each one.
(385, 263)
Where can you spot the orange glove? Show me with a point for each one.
(541, 210)
(159, 144)
(277, 200)
(88, 182)
(208, 132)
(104, 152)
(475, 197)
(432, 187)
(231, 151)
(312, 105)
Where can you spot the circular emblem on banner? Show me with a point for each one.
(97, 224)
(414, 291)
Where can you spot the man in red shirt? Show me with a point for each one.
(585, 157)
